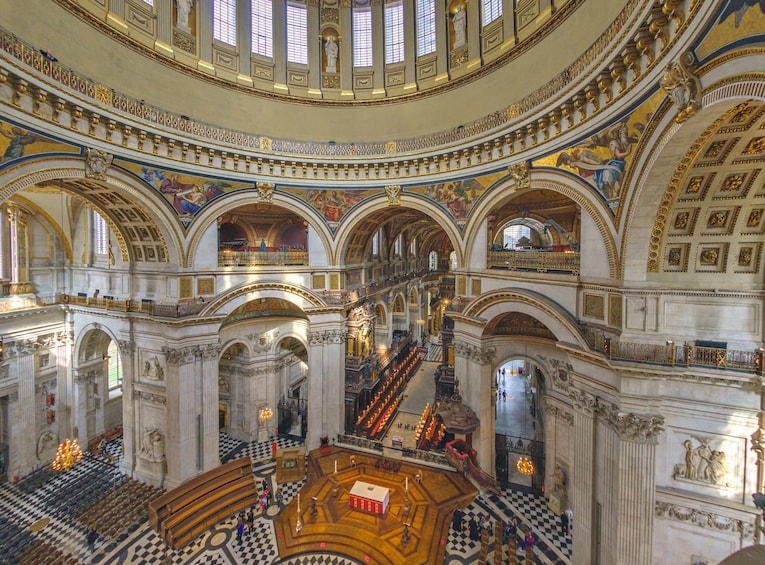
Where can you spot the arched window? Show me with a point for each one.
(362, 37)
(100, 235)
(433, 261)
(394, 33)
(224, 21)
(492, 9)
(453, 260)
(114, 370)
(297, 34)
(426, 27)
(512, 234)
(263, 28)
(376, 240)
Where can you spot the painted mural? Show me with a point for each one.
(603, 160)
(457, 197)
(188, 194)
(332, 204)
(737, 19)
(16, 143)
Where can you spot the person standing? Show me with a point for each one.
(570, 516)
(239, 530)
(91, 539)
(563, 524)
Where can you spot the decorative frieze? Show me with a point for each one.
(703, 519)
(185, 355)
(702, 464)
(151, 397)
(473, 352)
(327, 337)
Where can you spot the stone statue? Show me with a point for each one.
(459, 21)
(330, 50)
(559, 481)
(152, 369)
(153, 444)
(183, 9)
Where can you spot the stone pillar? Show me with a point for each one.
(410, 70)
(442, 45)
(164, 11)
(19, 251)
(64, 341)
(129, 367)
(474, 27)
(315, 46)
(326, 382)
(83, 380)
(210, 453)
(472, 367)
(181, 411)
(22, 370)
(244, 36)
(551, 448)
(638, 435)
(205, 30)
(582, 477)
(508, 21)
(5, 244)
(378, 45)
(280, 47)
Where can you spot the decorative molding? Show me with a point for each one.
(151, 397)
(683, 86)
(393, 191)
(521, 173)
(703, 519)
(262, 343)
(583, 401)
(126, 346)
(473, 352)
(181, 356)
(97, 163)
(265, 191)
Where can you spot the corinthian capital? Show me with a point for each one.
(583, 401)
(643, 428)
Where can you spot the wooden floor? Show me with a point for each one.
(363, 536)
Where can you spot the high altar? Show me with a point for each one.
(372, 498)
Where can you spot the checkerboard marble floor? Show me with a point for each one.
(219, 545)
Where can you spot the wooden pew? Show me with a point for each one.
(183, 513)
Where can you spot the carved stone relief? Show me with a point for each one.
(153, 444)
(152, 369)
(703, 464)
(703, 519)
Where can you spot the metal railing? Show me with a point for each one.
(539, 261)
(256, 258)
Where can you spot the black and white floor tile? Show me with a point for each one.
(37, 497)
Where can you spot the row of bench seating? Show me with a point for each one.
(180, 515)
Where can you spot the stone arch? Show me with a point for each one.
(650, 196)
(499, 302)
(555, 181)
(235, 297)
(69, 173)
(212, 211)
(378, 203)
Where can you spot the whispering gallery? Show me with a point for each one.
(382, 281)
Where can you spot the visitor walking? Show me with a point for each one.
(91, 539)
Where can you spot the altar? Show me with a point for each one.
(369, 497)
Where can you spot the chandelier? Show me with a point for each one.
(67, 454)
(525, 465)
(265, 414)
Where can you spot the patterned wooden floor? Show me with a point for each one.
(364, 536)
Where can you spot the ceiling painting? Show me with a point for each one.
(457, 197)
(602, 160)
(737, 19)
(187, 194)
(332, 204)
(16, 143)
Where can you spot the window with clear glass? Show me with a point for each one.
(224, 21)
(453, 260)
(297, 34)
(433, 261)
(492, 9)
(149, 2)
(376, 243)
(114, 370)
(362, 38)
(262, 28)
(513, 234)
(426, 27)
(100, 235)
(394, 33)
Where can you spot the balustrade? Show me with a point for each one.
(540, 261)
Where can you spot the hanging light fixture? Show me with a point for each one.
(525, 465)
(67, 454)
(265, 414)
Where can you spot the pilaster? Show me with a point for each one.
(205, 30)
(583, 479)
(23, 371)
(127, 357)
(210, 457)
(326, 382)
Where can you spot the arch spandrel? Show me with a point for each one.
(301, 297)
(381, 203)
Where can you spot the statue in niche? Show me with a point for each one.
(183, 9)
(703, 464)
(459, 23)
(222, 383)
(330, 50)
(152, 369)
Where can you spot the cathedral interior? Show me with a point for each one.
(344, 239)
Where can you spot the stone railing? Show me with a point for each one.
(540, 261)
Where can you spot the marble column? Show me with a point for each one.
(326, 383)
(181, 448)
(22, 370)
(83, 380)
(638, 434)
(210, 438)
(129, 366)
(582, 477)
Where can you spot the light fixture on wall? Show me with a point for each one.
(525, 465)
